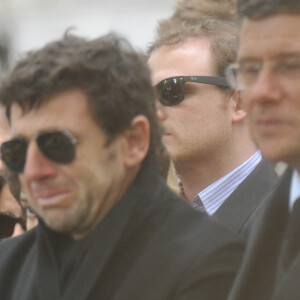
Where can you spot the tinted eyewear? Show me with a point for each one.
(171, 91)
(245, 73)
(58, 146)
(8, 223)
(231, 75)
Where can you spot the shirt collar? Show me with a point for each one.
(215, 194)
(294, 189)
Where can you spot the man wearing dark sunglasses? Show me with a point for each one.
(12, 221)
(84, 143)
(12, 214)
(220, 169)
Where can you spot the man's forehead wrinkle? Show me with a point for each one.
(20, 120)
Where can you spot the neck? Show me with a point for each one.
(198, 174)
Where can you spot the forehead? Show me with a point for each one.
(4, 126)
(193, 57)
(66, 111)
(270, 37)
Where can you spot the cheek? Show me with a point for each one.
(98, 169)
(246, 102)
(26, 191)
(296, 104)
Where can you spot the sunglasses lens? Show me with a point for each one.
(57, 146)
(170, 91)
(13, 153)
(7, 225)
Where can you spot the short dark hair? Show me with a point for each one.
(201, 19)
(114, 77)
(255, 9)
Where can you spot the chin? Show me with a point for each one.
(274, 154)
(58, 225)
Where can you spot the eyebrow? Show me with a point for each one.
(280, 56)
(247, 60)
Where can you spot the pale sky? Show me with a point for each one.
(33, 23)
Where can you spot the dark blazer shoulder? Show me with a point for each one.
(256, 276)
(183, 252)
(238, 209)
(17, 256)
(17, 246)
(203, 248)
(178, 213)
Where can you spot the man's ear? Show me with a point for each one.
(238, 113)
(136, 141)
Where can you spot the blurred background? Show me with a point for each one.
(32, 23)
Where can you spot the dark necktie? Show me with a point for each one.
(198, 204)
(292, 239)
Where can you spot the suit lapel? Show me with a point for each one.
(289, 287)
(239, 206)
(257, 273)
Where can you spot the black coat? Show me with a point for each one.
(257, 276)
(239, 209)
(152, 246)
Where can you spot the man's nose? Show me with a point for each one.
(267, 87)
(160, 111)
(37, 165)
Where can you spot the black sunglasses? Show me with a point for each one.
(58, 146)
(8, 223)
(170, 91)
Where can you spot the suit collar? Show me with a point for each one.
(247, 198)
(294, 189)
(289, 287)
(258, 269)
(213, 196)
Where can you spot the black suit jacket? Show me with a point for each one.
(152, 246)
(237, 212)
(257, 276)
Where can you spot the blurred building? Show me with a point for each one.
(32, 23)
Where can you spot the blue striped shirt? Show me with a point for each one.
(214, 195)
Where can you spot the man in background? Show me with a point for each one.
(12, 214)
(220, 168)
